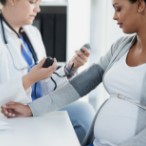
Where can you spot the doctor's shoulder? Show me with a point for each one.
(32, 29)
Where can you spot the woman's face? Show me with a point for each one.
(25, 11)
(126, 14)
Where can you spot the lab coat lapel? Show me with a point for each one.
(36, 41)
(14, 46)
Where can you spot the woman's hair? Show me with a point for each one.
(3, 2)
(133, 1)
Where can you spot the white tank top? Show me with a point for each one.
(125, 80)
(117, 119)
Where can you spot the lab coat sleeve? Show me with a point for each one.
(13, 90)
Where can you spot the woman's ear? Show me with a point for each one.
(11, 2)
(141, 6)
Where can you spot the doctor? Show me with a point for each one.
(22, 78)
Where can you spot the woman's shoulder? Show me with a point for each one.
(122, 42)
(125, 39)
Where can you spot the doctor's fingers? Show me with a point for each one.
(80, 54)
(85, 51)
(40, 64)
(80, 60)
(39, 73)
(49, 70)
(78, 63)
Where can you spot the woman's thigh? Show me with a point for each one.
(81, 115)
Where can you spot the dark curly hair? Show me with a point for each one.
(133, 1)
(3, 2)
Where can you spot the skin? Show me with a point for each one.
(15, 109)
(14, 7)
(131, 18)
(38, 73)
(80, 58)
(25, 12)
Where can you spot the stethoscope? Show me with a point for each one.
(25, 37)
(34, 55)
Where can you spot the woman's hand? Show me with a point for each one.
(15, 109)
(38, 73)
(80, 58)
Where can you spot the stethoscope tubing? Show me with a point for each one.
(34, 55)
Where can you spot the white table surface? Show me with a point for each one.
(52, 129)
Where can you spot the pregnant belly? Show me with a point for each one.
(116, 121)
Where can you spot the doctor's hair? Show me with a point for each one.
(3, 2)
(133, 1)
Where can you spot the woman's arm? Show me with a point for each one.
(69, 92)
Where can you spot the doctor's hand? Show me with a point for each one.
(15, 109)
(38, 73)
(80, 58)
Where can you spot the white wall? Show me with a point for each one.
(78, 25)
(104, 32)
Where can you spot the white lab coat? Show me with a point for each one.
(11, 88)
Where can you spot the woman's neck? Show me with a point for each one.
(141, 41)
(9, 18)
